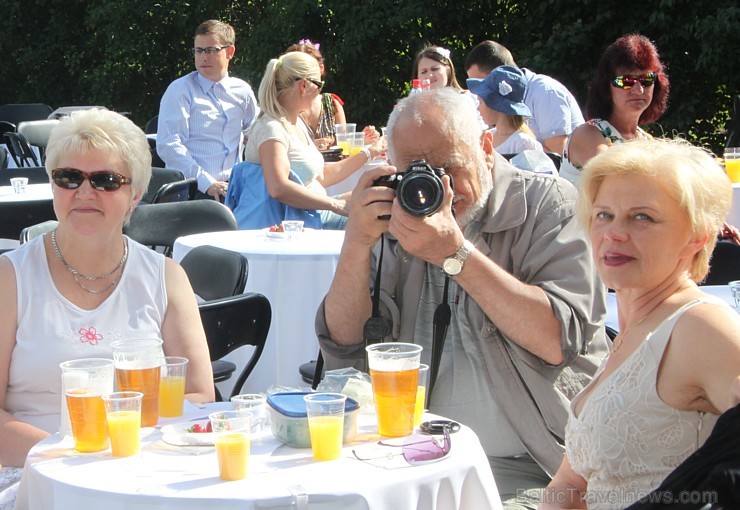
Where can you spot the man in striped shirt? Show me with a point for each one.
(203, 115)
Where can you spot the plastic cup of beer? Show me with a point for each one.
(421, 394)
(172, 386)
(255, 405)
(138, 367)
(394, 370)
(232, 429)
(123, 412)
(84, 382)
(732, 163)
(325, 424)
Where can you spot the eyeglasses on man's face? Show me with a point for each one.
(628, 81)
(105, 180)
(211, 50)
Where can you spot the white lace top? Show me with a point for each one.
(626, 439)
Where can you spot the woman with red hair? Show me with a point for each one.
(630, 88)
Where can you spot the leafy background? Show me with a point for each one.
(123, 54)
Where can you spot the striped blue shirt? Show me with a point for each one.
(201, 124)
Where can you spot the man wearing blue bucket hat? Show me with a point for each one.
(502, 94)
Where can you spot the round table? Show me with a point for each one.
(279, 477)
(295, 275)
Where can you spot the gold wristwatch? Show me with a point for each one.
(453, 265)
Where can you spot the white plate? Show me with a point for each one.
(178, 435)
(281, 235)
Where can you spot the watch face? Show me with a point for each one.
(452, 266)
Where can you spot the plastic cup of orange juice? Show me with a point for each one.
(325, 424)
(232, 430)
(421, 394)
(123, 412)
(732, 163)
(172, 386)
(84, 382)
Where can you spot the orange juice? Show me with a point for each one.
(232, 449)
(326, 436)
(732, 166)
(353, 150)
(395, 400)
(87, 414)
(123, 427)
(421, 394)
(344, 144)
(145, 380)
(171, 396)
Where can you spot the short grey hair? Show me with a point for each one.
(107, 132)
(458, 121)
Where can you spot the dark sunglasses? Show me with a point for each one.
(628, 81)
(105, 180)
(319, 84)
(416, 449)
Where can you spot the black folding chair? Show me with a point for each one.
(178, 191)
(20, 150)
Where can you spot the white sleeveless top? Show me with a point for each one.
(627, 440)
(51, 329)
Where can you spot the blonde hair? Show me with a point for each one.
(688, 174)
(280, 75)
(105, 131)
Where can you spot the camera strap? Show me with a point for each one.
(441, 324)
(376, 327)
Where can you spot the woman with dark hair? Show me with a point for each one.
(630, 88)
(327, 110)
(433, 63)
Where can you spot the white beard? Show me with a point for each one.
(486, 186)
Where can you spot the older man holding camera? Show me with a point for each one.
(524, 333)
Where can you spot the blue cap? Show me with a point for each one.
(502, 90)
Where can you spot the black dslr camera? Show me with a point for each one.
(419, 189)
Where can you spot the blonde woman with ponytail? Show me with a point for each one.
(284, 175)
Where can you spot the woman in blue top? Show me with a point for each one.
(284, 175)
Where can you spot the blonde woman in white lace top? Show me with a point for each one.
(652, 209)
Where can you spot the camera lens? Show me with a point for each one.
(421, 193)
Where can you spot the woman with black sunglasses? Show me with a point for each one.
(631, 88)
(284, 175)
(70, 293)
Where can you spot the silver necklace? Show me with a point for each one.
(77, 275)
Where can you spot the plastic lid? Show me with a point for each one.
(292, 404)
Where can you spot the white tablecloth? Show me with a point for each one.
(279, 477)
(33, 192)
(350, 182)
(612, 319)
(294, 275)
(734, 217)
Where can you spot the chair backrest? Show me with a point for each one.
(160, 177)
(37, 132)
(39, 229)
(3, 158)
(215, 273)
(235, 321)
(35, 174)
(18, 215)
(178, 191)
(724, 266)
(68, 110)
(20, 150)
(17, 113)
(151, 126)
(7, 127)
(161, 224)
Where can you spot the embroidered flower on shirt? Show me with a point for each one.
(90, 336)
(504, 88)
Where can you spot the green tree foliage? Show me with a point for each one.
(124, 54)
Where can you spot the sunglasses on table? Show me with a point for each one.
(416, 449)
(628, 81)
(105, 180)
